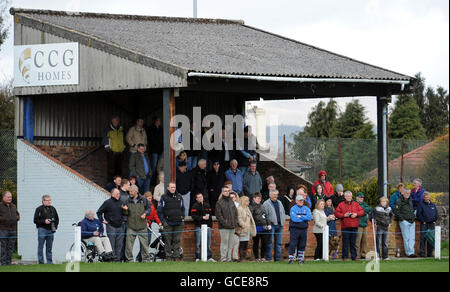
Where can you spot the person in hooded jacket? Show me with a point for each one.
(327, 186)
(288, 199)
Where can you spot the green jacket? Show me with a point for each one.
(367, 210)
(404, 210)
(135, 210)
(137, 167)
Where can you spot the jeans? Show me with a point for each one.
(45, 236)
(143, 184)
(409, 236)
(191, 162)
(116, 238)
(198, 243)
(349, 240)
(423, 242)
(7, 241)
(382, 242)
(154, 158)
(186, 203)
(276, 235)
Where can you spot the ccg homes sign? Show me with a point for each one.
(48, 64)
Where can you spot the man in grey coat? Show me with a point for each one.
(252, 182)
(277, 217)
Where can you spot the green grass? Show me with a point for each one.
(422, 265)
(444, 249)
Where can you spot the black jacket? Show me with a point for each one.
(184, 182)
(42, 212)
(171, 209)
(109, 187)
(199, 183)
(259, 214)
(215, 182)
(288, 203)
(198, 211)
(111, 209)
(155, 139)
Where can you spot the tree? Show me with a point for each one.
(353, 123)
(6, 106)
(435, 112)
(404, 121)
(4, 28)
(321, 120)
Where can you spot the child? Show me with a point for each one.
(383, 216)
(298, 227)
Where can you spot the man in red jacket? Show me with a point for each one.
(349, 212)
(326, 185)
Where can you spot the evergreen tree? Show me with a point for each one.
(435, 116)
(404, 121)
(353, 123)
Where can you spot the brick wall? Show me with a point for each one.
(395, 241)
(92, 166)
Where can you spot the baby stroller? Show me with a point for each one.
(156, 249)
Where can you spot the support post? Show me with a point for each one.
(77, 245)
(402, 161)
(340, 160)
(325, 245)
(28, 120)
(204, 246)
(169, 152)
(437, 242)
(284, 150)
(382, 103)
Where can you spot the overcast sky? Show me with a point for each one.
(406, 36)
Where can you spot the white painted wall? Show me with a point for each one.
(71, 196)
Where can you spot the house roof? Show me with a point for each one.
(412, 160)
(205, 45)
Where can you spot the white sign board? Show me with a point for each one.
(47, 64)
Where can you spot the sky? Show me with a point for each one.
(406, 36)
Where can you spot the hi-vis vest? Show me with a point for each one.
(116, 140)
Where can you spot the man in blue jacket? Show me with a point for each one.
(427, 215)
(92, 230)
(298, 226)
(236, 176)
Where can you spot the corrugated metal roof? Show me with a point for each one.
(212, 45)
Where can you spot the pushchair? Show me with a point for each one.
(156, 249)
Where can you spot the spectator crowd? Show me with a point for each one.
(225, 184)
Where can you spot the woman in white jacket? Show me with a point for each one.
(320, 221)
(247, 227)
